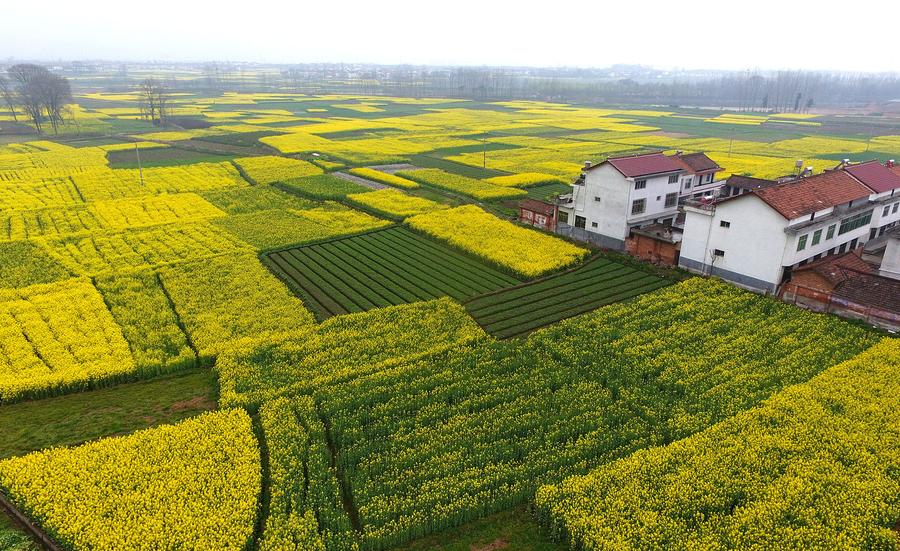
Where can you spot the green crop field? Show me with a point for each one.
(382, 268)
(527, 307)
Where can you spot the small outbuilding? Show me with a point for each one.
(538, 213)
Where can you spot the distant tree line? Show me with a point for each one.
(783, 91)
(39, 93)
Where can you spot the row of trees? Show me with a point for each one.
(39, 93)
(782, 91)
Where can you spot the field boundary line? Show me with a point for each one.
(35, 531)
(178, 320)
(326, 240)
(536, 281)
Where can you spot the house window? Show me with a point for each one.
(638, 206)
(640, 184)
(817, 236)
(671, 199)
(886, 211)
(718, 252)
(688, 182)
(801, 243)
(593, 224)
(725, 224)
(830, 233)
(894, 210)
(579, 221)
(597, 199)
(709, 178)
(854, 222)
(673, 179)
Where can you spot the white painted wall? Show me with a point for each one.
(606, 198)
(890, 264)
(754, 243)
(879, 218)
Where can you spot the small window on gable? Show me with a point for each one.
(718, 252)
(725, 224)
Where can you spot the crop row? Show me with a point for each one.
(305, 505)
(600, 282)
(377, 269)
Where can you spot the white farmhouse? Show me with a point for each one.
(623, 193)
(755, 239)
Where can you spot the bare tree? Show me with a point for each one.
(57, 95)
(30, 91)
(42, 95)
(154, 101)
(7, 92)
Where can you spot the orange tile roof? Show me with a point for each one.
(814, 193)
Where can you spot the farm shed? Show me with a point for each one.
(847, 286)
(538, 213)
(657, 243)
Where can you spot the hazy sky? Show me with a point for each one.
(725, 34)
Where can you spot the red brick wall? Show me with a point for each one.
(811, 280)
(652, 250)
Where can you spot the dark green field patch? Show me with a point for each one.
(382, 268)
(544, 192)
(528, 307)
(427, 161)
(246, 139)
(162, 156)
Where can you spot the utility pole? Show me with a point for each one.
(137, 152)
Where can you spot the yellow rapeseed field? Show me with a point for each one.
(194, 485)
(524, 251)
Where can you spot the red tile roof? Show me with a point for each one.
(814, 193)
(837, 269)
(871, 290)
(696, 162)
(537, 206)
(644, 165)
(875, 176)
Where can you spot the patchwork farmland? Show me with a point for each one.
(408, 367)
